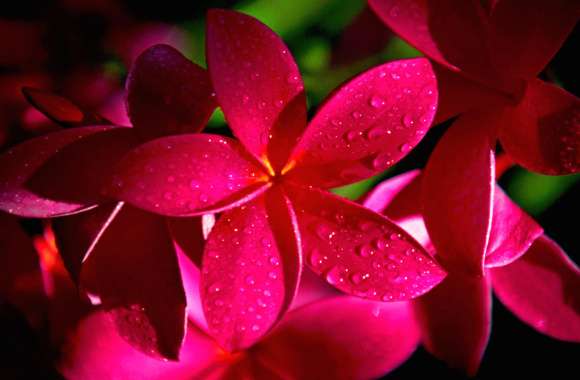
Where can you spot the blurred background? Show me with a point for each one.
(83, 48)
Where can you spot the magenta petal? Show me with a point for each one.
(526, 34)
(541, 132)
(167, 94)
(61, 110)
(367, 125)
(361, 252)
(341, 338)
(385, 196)
(251, 269)
(455, 318)
(96, 351)
(512, 231)
(22, 162)
(133, 269)
(458, 185)
(541, 288)
(257, 83)
(187, 175)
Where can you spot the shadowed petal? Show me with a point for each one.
(541, 288)
(20, 163)
(542, 132)
(455, 319)
(251, 270)
(341, 338)
(257, 83)
(133, 270)
(526, 34)
(368, 124)
(512, 231)
(458, 185)
(359, 251)
(96, 351)
(61, 110)
(167, 94)
(187, 175)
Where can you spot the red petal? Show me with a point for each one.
(368, 124)
(541, 132)
(257, 83)
(541, 288)
(512, 231)
(22, 43)
(187, 175)
(167, 94)
(526, 34)
(361, 252)
(96, 351)
(456, 320)
(458, 185)
(61, 110)
(133, 269)
(251, 269)
(22, 162)
(341, 338)
(188, 234)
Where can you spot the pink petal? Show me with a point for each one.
(368, 124)
(341, 338)
(512, 231)
(458, 185)
(251, 269)
(187, 175)
(167, 94)
(22, 162)
(133, 269)
(541, 132)
(526, 34)
(257, 83)
(455, 318)
(541, 288)
(361, 252)
(96, 351)
(61, 110)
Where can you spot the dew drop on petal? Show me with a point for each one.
(376, 102)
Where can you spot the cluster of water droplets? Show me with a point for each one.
(135, 327)
(570, 142)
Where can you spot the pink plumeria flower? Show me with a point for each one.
(123, 257)
(269, 184)
(529, 273)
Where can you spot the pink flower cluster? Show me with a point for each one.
(215, 257)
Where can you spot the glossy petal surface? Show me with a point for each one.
(541, 288)
(257, 84)
(368, 124)
(167, 94)
(187, 175)
(455, 319)
(542, 133)
(359, 251)
(251, 270)
(341, 338)
(458, 185)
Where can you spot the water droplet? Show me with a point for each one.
(316, 259)
(375, 133)
(250, 280)
(255, 328)
(408, 120)
(410, 251)
(274, 261)
(382, 161)
(266, 243)
(261, 303)
(325, 232)
(168, 195)
(194, 184)
(395, 76)
(273, 275)
(267, 293)
(376, 102)
(334, 276)
(203, 198)
(293, 79)
(351, 136)
(215, 288)
(387, 297)
(170, 179)
(365, 251)
(356, 115)
(245, 99)
(218, 303)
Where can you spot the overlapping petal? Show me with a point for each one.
(257, 84)
(361, 252)
(251, 269)
(187, 175)
(341, 338)
(541, 288)
(541, 132)
(455, 319)
(131, 268)
(367, 125)
(168, 94)
(458, 186)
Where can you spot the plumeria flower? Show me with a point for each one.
(528, 272)
(124, 258)
(269, 184)
(490, 57)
